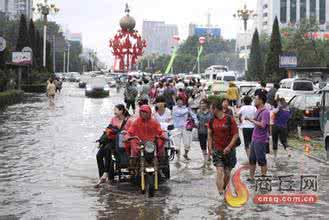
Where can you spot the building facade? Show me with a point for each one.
(159, 37)
(14, 8)
(291, 12)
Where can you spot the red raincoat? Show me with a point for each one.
(146, 130)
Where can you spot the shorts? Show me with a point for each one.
(226, 161)
(258, 154)
(247, 136)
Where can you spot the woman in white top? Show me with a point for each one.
(247, 111)
(162, 114)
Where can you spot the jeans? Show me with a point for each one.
(258, 154)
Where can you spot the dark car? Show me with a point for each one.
(83, 81)
(97, 88)
(308, 105)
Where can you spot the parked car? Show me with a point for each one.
(324, 117)
(97, 87)
(308, 104)
(294, 87)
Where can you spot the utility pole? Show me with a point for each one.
(54, 53)
(68, 57)
(64, 61)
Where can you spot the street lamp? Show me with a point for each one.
(68, 56)
(245, 14)
(45, 9)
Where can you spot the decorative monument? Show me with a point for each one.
(127, 44)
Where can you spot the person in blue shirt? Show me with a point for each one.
(184, 121)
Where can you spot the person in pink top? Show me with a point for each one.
(120, 122)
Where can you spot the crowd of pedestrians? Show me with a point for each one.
(215, 124)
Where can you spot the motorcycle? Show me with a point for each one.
(146, 170)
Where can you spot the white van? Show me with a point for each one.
(212, 71)
(292, 87)
(226, 76)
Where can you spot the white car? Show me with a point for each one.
(292, 87)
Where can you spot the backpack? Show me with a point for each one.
(229, 124)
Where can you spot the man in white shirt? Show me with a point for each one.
(247, 111)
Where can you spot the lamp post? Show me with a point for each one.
(245, 14)
(64, 60)
(45, 9)
(68, 56)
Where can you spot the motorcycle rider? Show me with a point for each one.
(147, 129)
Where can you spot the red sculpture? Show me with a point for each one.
(127, 44)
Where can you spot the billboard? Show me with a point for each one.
(22, 58)
(204, 31)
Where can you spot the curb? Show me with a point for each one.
(313, 157)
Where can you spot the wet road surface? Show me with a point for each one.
(48, 171)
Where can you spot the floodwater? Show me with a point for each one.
(48, 171)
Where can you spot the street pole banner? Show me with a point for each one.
(199, 53)
(171, 62)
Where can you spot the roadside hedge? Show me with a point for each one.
(10, 97)
(35, 88)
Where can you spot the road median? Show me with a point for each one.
(10, 97)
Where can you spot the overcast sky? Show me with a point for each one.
(98, 20)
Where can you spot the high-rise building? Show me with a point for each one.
(14, 8)
(159, 37)
(291, 13)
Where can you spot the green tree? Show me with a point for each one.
(272, 69)
(255, 64)
(38, 50)
(23, 37)
(32, 37)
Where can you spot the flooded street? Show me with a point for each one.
(48, 171)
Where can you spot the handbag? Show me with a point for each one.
(190, 123)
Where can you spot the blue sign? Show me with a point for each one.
(204, 31)
(288, 61)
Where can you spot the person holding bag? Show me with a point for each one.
(184, 122)
(120, 122)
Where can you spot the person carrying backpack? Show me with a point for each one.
(222, 139)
